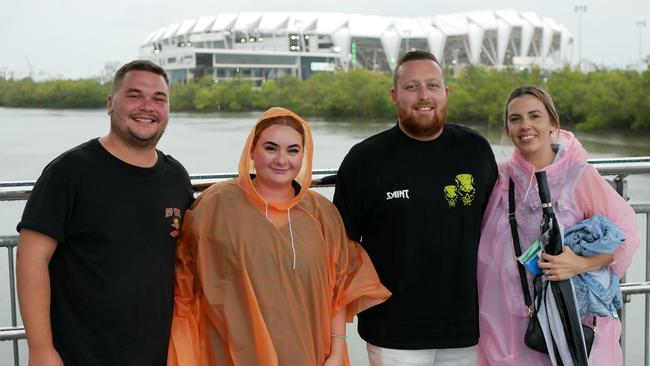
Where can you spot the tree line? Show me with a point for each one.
(602, 99)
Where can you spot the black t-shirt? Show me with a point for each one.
(416, 207)
(112, 271)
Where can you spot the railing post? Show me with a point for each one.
(12, 297)
(647, 296)
(622, 316)
(620, 185)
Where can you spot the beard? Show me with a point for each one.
(422, 127)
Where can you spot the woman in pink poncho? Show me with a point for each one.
(578, 192)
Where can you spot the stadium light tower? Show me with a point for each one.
(641, 25)
(580, 9)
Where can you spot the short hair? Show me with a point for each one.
(413, 55)
(538, 93)
(137, 65)
(279, 120)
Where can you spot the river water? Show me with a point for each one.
(212, 143)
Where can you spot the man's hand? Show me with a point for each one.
(32, 259)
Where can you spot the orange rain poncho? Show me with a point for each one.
(238, 298)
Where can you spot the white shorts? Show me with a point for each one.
(379, 356)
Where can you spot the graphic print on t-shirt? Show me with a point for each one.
(401, 193)
(462, 188)
(173, 214)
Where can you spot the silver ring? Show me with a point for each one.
(546, 272)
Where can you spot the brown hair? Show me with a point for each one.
(279, 120)
(137, 65)
(538, 93)
(413, 55)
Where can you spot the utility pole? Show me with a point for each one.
(580, 9)
(641, 24)
(30, 68)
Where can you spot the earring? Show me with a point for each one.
(554, 136)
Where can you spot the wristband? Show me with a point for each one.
(338, 336)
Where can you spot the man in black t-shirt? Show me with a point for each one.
(414, 197)
(95, 262)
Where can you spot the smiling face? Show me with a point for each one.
(530, 128)
(139, 109)
(420, 97)
(277, 157)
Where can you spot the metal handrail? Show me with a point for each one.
(12, 333)
(623, 166)
(635, 288)
(620, 167)
(20, 190)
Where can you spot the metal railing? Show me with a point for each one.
(13, 333)
(620, 168)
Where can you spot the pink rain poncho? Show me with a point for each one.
(578, 192)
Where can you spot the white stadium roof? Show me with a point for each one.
(488, 35)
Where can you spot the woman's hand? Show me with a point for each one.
(338, 343)
(568, 264)
(562, 266)
(338, 348)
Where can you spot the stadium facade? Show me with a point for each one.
(262, 46)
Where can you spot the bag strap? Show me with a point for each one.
(522, 271)
(515, 242)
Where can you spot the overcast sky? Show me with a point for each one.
(75, 38)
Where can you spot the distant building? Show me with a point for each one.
(107, 74)
(6, 74)
(12, 74)
(262, 46)
(9, 74)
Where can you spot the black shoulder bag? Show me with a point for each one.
(534, 337)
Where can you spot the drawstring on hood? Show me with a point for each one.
(247, 167)
(530, 185)
(558, 149)
(266, 211)
(293, 247)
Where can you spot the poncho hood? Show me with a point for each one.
(570, 151)
(247, 167)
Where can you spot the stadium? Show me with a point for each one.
(262, 46)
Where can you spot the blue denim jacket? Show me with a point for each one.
(597, 291)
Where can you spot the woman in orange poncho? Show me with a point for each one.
(265, 273)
